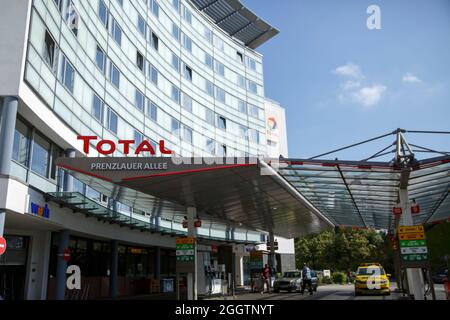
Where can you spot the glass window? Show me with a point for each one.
(138, 137)
(211, 146)
(120, 2)
(209, 116)
(253, 135)
(51, 51)
(112, 121)
(243, 132)
(116, 32)
(187, 15)
(100, 59)
(142, 26)
(239, 56)
(221, 122)
(220, 68)
(187, 72)
(220, 94)
(140, 61)
(242, 106)
(176, 5)
(218, 43)
(175, 94)
(56, 153)
(241, 81)
(251, 63)
(155, 41)
(155, 7)
(175, 62)
(187, 43)
(175, 31)
(103, 13)
(187, 102)
(253, 111)
(208, 34)
(209, 87)
(175, 127)
(114, 75)
(187, 134)
(41, 155)
(153, 74)
(67, 74)
(209, 61)
(21, 143)
(97, 108)
(72, 17)
(252, 87)
(139, 100)
(152, 111)
(222, 151)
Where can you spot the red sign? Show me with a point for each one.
(107, 147)
(66, 255)
(415, 209)
(2, 245)
(397, 211)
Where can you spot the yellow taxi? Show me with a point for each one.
(372, 279)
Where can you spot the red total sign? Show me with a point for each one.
(66, 255)
(2, 245)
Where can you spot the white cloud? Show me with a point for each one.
(369, 96)
(350, 84)
(410, 78)
(350, 70)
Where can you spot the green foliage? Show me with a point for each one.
(438, 241)
(339, 277)
(325, 280)
(343, 250)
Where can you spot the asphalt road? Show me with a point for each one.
(328, 292)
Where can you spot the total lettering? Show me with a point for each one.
(107, 147)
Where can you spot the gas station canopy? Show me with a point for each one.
(290, 197)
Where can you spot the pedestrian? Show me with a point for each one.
(349, 276)
(267, 275)
(306, 279)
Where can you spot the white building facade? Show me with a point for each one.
(116, 69)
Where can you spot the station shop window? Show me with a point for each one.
(41, 155)
(21, 143)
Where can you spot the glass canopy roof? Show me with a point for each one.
(352, 193)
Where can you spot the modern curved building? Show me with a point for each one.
(185, 72)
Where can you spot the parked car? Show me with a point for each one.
(292, 281)
(440, 276)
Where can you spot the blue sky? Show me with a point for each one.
(341, 82)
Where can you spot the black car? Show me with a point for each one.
(440, 276)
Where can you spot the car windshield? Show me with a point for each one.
(370, 271)
(291, 275)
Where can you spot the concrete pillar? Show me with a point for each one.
(61, 265)
(415, 279)
(8, 115)
(192, 232)
(272, 251)
(113, 275)
(68, 179)
(157, 266)
(2, 221)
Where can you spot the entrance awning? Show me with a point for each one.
(241, 192)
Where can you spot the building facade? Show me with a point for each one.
(115, 69)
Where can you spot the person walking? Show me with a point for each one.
(267, 275)
(306, 279)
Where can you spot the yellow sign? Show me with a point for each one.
(411, 229)
(186, 240)
(411, 236)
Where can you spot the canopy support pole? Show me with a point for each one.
(192, 233)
